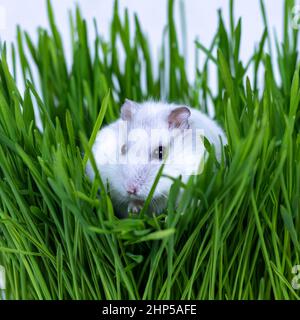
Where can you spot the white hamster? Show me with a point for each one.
(130, 151)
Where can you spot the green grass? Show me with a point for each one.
(235, 232)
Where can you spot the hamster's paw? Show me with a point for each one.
(135, 206)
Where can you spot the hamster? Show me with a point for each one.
(130, 151)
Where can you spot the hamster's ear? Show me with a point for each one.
(128, 109)
(178, 118)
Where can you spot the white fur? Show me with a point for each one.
(120, 174)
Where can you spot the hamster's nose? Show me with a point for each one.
(131, 190)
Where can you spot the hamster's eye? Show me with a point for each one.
(159, 153)
(124, 149)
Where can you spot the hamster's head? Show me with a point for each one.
(130, 152)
